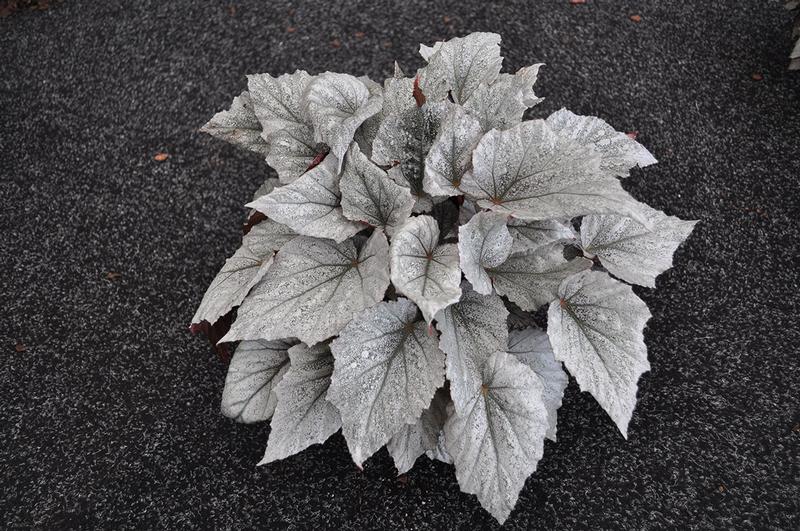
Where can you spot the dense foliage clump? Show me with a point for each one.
(385, 284)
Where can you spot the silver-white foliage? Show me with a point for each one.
(483, 243)
(596, 329)
(386, 372)
(403, 142)
(303, 416)
(499, 439)
(531, 278)
(278, 101)
(629, 250)
(337, 105)
(501, 104)
(413, 440)
(234, 281)
(313, 289)
(472, 330)
(450, 156)
(532, 172)
(238, 125)
(370, 196)
(449, 141)
(618, 152)
(532, 347)
(311, 205)
(530, 235)
(423, 270)
(460, 65)
(255, 369)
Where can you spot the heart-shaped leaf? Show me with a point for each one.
(303, 417)
(498, 441)
(472, 330)
(310, 205)
(483, 243)
(629, 250)
(238, 126)
(386, 372)
(531, 278)
(255, 369)
(370, 196)
(532, 173)
(313, 289)
(337, 105)
(278, 101)
(424, 271)
(595, 328)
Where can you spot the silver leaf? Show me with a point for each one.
(238, 125)
(483, 243)
(450, 155)
(277, 101)
(413, 440)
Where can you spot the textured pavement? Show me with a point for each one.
(109, 414)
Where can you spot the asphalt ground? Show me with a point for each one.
(110, 408)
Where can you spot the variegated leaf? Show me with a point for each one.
(483, 243)
(596, 328)
(618, 152)
(531, 278)
(337, 105)
(291, 152)
(310, 205)
(413, 440)
(422, 270)
(532, 347)
(461, 65)
(255, 369)
(234, 281)
(277, 101)
(629, 250)
(472, 330)
(238, 125)
(313, 289)
(532, 173)
(499, 439)
(303, 416)
(450, 155)
(370, 196)
(386, 372)
(530, 235)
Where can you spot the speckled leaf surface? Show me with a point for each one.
(498, 441)
(238, 126)
(234, 281)
(403, 142)
(303, 416)
(532, 173)
(532, 347)
(278, 101)
(502, 103)
(618, 152)
(629, 250)
(531, 278)
(530, 235)
(450, 155)
(370, 196)
(460, 65)
(596, 329)
(267, 236)
(483, 243)
(313, 289)
(386, 372)
(422, 270)
(291, 152)
(255, 369)
(413, 440)
(310, 205)
(471, 331)
(337, 105)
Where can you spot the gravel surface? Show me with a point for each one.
(109, 414)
